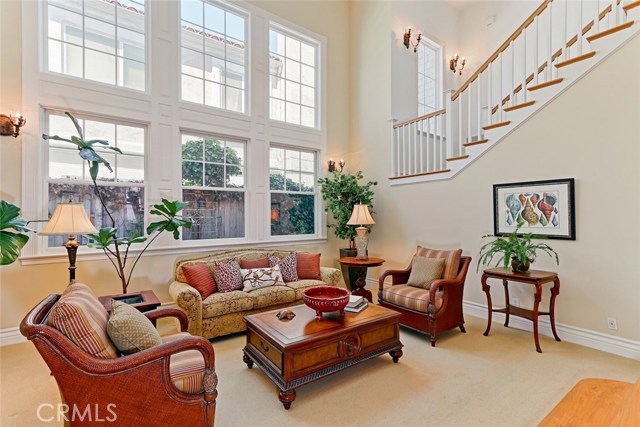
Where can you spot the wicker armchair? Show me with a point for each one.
(139, 385)
(440, 306)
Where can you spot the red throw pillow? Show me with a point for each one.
(199, 276)
(308, 266)
(254, 263)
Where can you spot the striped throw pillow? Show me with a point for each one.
(200, 277)
(82, 318)
(451, 260)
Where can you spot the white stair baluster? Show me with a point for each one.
(580, 25)
(550, 60)
(460, 114)
(414, 136)
(536, 62)
(451, 147)
(469, 100)
(489, 116)
(523, 89)
(479, 106)
(565, 39)
(500, 90)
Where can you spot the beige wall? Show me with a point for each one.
(21, 287)
(590, 133)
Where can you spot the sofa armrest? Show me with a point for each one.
(332, 276)
(190, 301)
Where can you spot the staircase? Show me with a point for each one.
(557, 45)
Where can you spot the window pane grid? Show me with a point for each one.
(428, 78)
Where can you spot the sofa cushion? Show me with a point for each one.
(82, 318)
(288, 266)
(272, 295)
(225, 303)
(451, 260)
(227, 275)
(200, 277)
(254, 263)
(424, 271)
(186, 368)
(411, 298)
(256, 278)
(130, 330)
(308, 266)
(301, 285)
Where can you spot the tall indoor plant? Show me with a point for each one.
(12, 229)
(341, 191)
(518, 251)
(117, 248)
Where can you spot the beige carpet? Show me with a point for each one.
(468, 380)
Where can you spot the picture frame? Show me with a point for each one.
(547, 208)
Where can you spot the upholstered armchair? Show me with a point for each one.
(172, 384)
(432, 310)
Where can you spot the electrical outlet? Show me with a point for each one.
(612, 323)
(515, 302)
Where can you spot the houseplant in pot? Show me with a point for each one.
(12, 229)
(341, 191)
(519, 252)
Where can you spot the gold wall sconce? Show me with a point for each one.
(454, 66)
(10, 125)
(406, 40)
(332, 165)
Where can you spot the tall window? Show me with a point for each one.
(292, 78)
(213, 55)
(429, 77)
(292, 176)
(123, 189)
(213, 183)
(100, 40)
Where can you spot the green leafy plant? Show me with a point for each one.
(341, 191)
(523, 250)
(117, 248)
(11, 242)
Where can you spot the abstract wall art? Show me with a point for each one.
(546, 208)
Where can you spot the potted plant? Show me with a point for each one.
(12, 229)
(341, 191)
(520, 252)
(117, 248)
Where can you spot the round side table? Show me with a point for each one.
(361, 265)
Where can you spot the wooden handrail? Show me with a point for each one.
(502, 48)
(417, 119)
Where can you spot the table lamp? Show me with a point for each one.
(69, 218)
(362, 217)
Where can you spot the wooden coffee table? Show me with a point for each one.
(301, 350)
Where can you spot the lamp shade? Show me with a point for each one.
(361, 216)
(68, 218)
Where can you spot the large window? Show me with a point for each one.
(213, 183)
(100, 40)
(123, 189)
(292, 178)
(429, 77)
(292, 78)
(213, 55)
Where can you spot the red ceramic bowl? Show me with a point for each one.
(326, 298)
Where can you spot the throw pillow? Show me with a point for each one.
(424, 271)
(199, 276)
(451, 260)
(254, 263)
(81, 317)
(288, 266)
(228, 276)
(130, 330)
(256, 278)
(308, 266)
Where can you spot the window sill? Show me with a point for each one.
(184, 250)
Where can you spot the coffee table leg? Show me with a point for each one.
(395, 355)
(287, 397)
(246, 359)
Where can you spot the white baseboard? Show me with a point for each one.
(11, 336)
(596, 340)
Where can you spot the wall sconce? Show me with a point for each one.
(11, 124)
(332, 165)
(407, 40)
(453, 64)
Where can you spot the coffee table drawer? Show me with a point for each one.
(265, 348)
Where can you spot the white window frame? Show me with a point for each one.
(426, 43)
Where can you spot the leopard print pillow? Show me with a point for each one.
(288, 266)
(228, 276)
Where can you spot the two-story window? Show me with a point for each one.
(429, 77)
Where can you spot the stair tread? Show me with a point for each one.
(481, 141)
(518, 106)
(630, 6)
(497, 125)
(610, 31)
(576, 59)
(451, 159)
(545, 84)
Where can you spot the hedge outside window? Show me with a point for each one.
(213, 183)
(292, 178)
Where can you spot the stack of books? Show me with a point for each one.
(356, 304)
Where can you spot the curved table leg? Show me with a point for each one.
(536, 303)
(361, 282)
(395, 355)
(246, 359)
(287, 397)
(555, 290)
(486, 288)
(505, 283)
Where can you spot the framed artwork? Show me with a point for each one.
(547, 208)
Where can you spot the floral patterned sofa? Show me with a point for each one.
(223, 313)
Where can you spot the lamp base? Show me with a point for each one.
(72, 249)
(361, 241)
